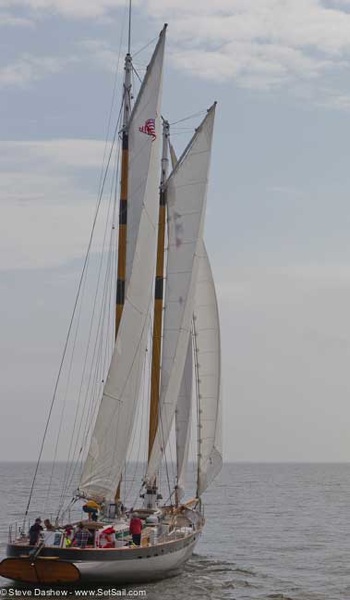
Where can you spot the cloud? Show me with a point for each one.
(9, 20)
(261, 45)
(75, 9)
(60, 152)
(99, 53)
(258, 44)
(28, 69)
(46, 210)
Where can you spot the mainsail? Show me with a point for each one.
(186, 197)
(112, 431)
(143, 148)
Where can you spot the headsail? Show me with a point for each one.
(111, 435)
(186, 195)
(208, 363)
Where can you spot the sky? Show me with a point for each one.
(278, 217)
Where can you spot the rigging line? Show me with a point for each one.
(166, 465)
(103, 355)
(86, 411)
(64, 487)
(113, 93)
(202, 112)
(106, 318)
(181, 130)
(137, 496)
(102, 179)
(97, 353)
(62, 360)
(136, 73)
(63, 408)
(146, 46)
(161, 428)
(85, 264)
(139, 417)
(129, 31)
(92, 318)
(167, 447)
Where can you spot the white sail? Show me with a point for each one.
(184, 405)
(208, 367)
(141, 151)
(183, 421)
(112, 432)
(186, 199)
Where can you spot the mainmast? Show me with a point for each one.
(151, 493)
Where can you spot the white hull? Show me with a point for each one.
(128, 565)
(125, 571)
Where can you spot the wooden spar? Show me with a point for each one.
(123, 206)
(158, 299)
(123, 203)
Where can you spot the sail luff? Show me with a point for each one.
(187, 187)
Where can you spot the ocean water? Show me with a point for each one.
(273, 531)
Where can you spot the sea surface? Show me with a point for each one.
(273, 531)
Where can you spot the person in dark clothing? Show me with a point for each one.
(135, 529)
(34, 532)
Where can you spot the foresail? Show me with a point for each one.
(186, 198)
(145, 119)
(113, 427)
(208, 367)
(183, 421)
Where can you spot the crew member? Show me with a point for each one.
(135, 529)
(34, 532)
(91, 508)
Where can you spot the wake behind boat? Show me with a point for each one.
(165, 308)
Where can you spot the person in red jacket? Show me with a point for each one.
(135, 529)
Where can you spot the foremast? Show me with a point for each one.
(123, 200)
(110, 437)
(150, 496)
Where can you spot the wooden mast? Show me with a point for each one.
(158, 296)
(123, 202)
